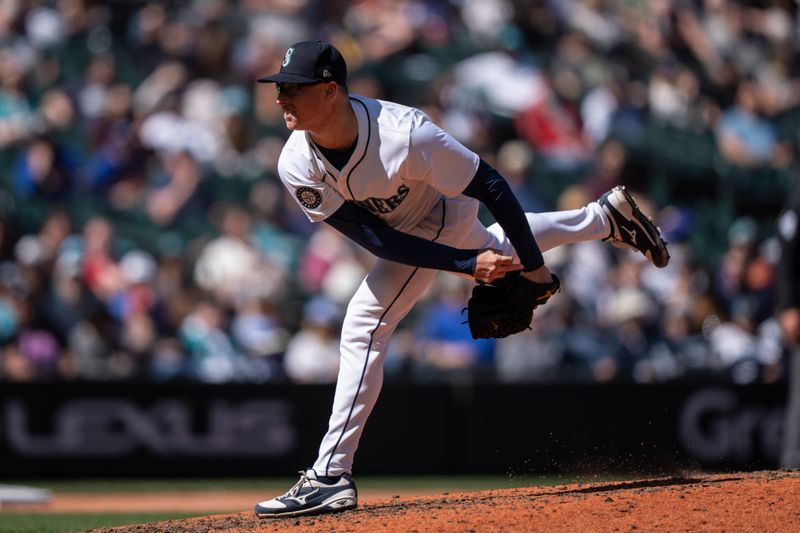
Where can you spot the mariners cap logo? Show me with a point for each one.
(309, 198)
(288, 57)
(310, 62)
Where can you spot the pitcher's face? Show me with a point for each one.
(301, 104)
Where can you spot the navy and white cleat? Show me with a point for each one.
(630, 228)
(312, 495)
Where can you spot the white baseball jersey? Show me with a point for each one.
(402, 166)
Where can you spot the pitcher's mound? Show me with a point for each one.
(753, 501)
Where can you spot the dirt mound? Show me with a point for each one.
(756, 501)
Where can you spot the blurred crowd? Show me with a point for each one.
(144, 234)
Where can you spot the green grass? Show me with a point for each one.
(449, 483)
(19, 522)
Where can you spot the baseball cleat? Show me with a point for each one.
(630, 228)
(312, 495)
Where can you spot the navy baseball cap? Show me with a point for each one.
(310, 62)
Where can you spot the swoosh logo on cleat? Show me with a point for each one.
(302, 499)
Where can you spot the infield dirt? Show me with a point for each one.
(753, 501)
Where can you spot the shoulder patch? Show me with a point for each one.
(310, 198)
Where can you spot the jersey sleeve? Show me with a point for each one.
(388, 243)
(317, 199)
(439, 160)
(490, 188)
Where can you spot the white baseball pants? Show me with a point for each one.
(389, 292)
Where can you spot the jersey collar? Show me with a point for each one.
(362, 143)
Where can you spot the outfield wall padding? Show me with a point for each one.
(124, 430)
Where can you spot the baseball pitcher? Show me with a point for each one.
(394, 182)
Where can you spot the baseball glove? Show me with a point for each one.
(506, 305)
